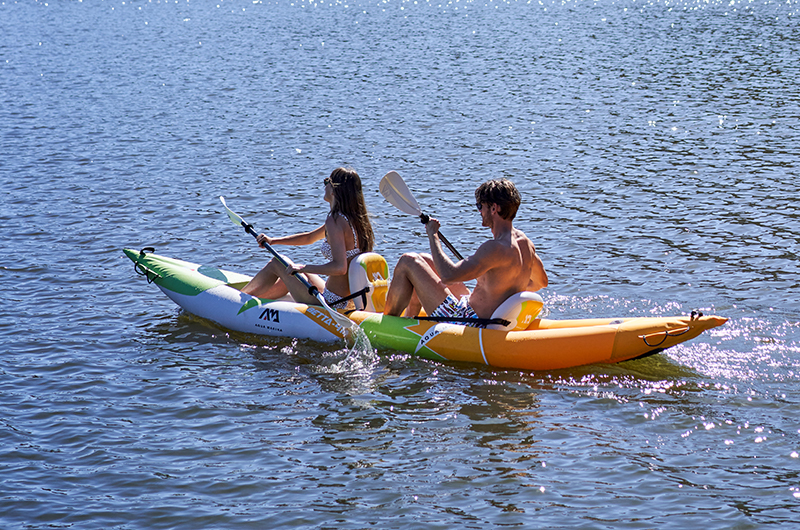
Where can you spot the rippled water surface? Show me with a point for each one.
(656, 145)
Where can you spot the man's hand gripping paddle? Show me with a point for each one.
(394, 190)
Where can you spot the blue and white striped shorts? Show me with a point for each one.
(458, 308)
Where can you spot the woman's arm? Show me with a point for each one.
(303, 238)
(338, 265)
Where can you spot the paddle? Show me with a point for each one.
(343, 322)
(394, 190)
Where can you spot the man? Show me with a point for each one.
(502, 266)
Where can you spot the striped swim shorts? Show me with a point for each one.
(458, 308)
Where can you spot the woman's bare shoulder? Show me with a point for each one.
(337, 220)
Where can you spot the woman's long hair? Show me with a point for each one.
(348, 199)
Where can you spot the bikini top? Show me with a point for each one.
(325, 247)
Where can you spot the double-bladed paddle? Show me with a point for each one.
(339, 318)
(394, 190)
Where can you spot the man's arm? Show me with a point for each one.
(538, 274)
(467, 269)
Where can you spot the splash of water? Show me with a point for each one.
(359, 344)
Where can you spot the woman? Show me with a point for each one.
(346, 233)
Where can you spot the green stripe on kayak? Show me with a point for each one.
(397, 333)
(253, 302)
(182, 277)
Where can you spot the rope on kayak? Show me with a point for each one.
(694, 315)
(149, 275)
(667, 334)
(141, 270)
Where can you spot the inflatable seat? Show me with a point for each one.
(519, 309)
(369, 270)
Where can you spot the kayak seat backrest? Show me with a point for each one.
(369, 270)
(519, 309)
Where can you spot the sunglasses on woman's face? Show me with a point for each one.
(326, 181)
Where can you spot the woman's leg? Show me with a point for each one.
(273, 282)
(299, 291)
(267, 283)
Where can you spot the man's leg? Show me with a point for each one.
(412, 274)
(456, 289)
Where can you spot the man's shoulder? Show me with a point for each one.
(497, 251)
(493, 245)
(520, 235)
(522, 239)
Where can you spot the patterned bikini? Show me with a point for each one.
(327, 252)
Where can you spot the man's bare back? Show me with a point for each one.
(515, 266)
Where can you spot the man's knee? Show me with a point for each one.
(416, 268)
(409, 261)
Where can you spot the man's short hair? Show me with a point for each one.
(501, 192)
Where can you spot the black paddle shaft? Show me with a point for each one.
(312, 289)
(425, 218)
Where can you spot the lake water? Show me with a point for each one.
(656, 145)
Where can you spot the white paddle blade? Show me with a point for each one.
(238, 221)
(348, 327)
(394, 190)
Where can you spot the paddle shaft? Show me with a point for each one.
(312, 290)
(345, 324)
(425, 218)
(394, 189)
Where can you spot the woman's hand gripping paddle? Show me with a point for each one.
(394, 190)
(347, 325)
